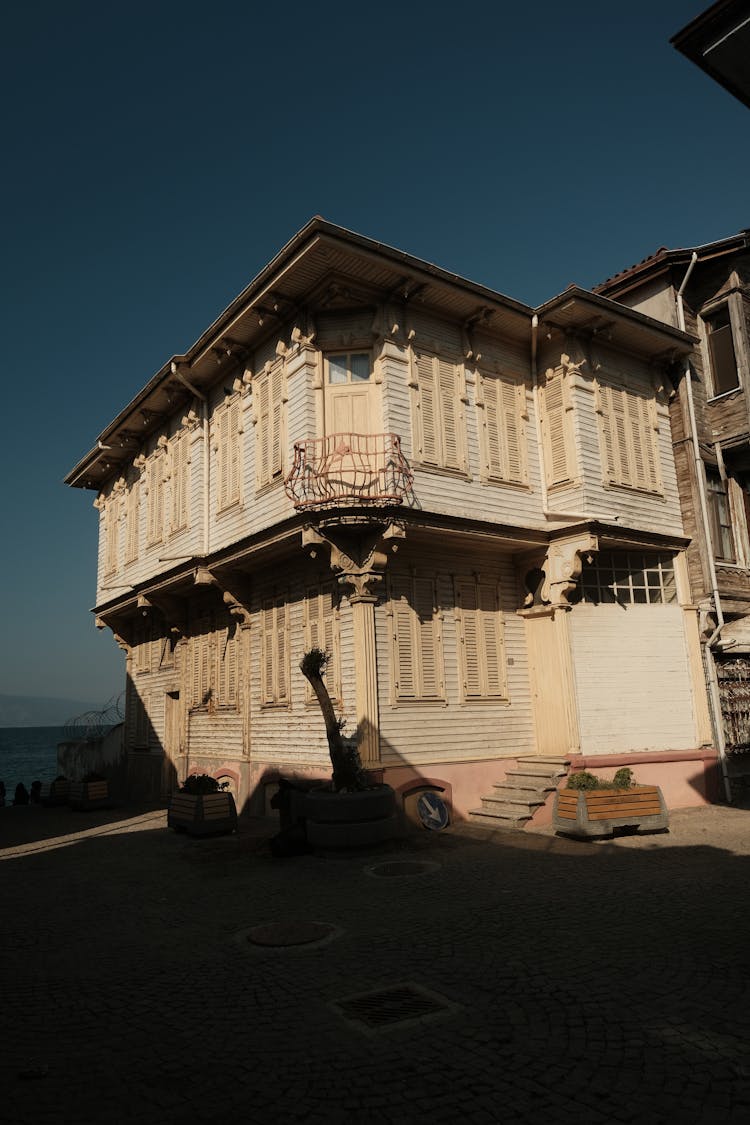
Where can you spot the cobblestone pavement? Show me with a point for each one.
(587, 982)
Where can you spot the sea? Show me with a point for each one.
(28, 754)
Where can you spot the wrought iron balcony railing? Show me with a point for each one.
(343, 470)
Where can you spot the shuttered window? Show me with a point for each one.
(629, 438)
(155, 504)
(482, 647)
(269, 399)
(556, 429)
(179, 478)
(438, 414)
(143, 647)
(112, 542)
(322, 631)
(215, 662)
(417, 654)
(229, 454)
(275, 652)
(132, 514)
(503, 402)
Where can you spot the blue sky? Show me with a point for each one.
(157, 156)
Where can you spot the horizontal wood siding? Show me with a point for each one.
(632, 678)
(217, 735)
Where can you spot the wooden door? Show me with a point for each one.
(552, 685)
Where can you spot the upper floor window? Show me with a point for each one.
(132, 513)
(438, 418)
(155, 490)
(557, 428)
(629, 438)
(720, 517)
(350, 367)
(229, 454)
(721, 354)
(179, 478)
(112, 525)
(503, 401)
(269, 396)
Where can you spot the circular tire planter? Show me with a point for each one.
(351, 820)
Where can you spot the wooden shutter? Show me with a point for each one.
(276, 380)
(430, 672)
(556, 450)
(449, 414)
(233, 439)
(606, 413)
(132, 513)
(112, 517)
(263, 425)
(470, 640)
(493, 648)
(512, 413)
(201, 662)
(179, 482)
(282, 668)
(503, 428)
(427, 406)
(404, 678)
(494, 460)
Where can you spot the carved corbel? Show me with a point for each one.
(358, 556)
(562, 567)
(236, 594)
(173, 610)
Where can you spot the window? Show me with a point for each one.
(349, 367)
(322, 631)
(180, 460)
(275, 652)
(215, 655)
(143, 646)
(721, 354)
(481, 640)
(228, 448)
(557, 433)
(269, 398)
(112, 525)
(503, 402)
(155, 491)
(132, 511)
(417, 654)
(437, 411)
(627, 578)
(720, 517)
(629, 438)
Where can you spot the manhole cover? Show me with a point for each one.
(290, 933)
(401, 868)
(386, 1007)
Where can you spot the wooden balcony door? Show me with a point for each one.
(350, 394)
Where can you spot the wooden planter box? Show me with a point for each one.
(350, 820)
(202, 814)
(55, 793)
(598, 812)
(89, 794)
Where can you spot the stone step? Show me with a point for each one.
(551, 760)
(508, 796)
(506, 808)
(533, 769)
(531, 781)
(491, 820)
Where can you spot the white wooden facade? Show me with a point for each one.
(527, 442)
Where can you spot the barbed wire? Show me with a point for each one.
(95, 724)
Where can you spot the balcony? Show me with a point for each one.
(348, 470)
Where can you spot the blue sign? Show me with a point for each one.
(433, 811)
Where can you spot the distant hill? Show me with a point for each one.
(41, 711)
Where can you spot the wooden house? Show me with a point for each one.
(470, 503)
(706, 289)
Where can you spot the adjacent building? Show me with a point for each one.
(471, 504)
(706, 289)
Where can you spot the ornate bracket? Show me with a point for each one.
(358, 552)
(562, 567)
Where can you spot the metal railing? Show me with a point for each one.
(343, 470)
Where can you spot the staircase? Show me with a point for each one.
(513, 803)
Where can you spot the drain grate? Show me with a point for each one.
(387, 1007)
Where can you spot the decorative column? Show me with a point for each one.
(359, 554)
